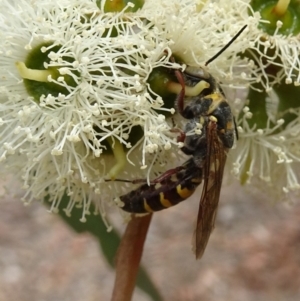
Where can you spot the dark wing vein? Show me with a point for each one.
(213, 174)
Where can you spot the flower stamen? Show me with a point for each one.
(281, 7)
(120, 157)
(33, 74)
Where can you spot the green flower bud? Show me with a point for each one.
(38, 78)
(161, 80)
(285, 11)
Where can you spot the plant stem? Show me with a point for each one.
(128, 257)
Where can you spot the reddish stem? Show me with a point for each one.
(128, 257)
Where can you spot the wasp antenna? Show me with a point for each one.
(226, 46)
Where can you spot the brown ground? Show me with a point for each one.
(253, 254)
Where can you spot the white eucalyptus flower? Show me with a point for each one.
(267, 153)
(76, 106)
(73, 85)
(268, 157)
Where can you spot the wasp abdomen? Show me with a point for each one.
(162, 195)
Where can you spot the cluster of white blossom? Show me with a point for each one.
(72, 140)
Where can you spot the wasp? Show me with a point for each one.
(208, 151)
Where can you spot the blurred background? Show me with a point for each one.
(253, 253)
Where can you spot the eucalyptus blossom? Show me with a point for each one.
(83, 103)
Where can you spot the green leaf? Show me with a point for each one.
(108, 241)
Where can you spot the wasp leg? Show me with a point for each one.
(168, 174)
(181, 136)
(159, 179)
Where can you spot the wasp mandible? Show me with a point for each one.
(208, 152)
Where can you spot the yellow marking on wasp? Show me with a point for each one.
(196, 180)
(165, 202)
(213, 118)
(229, 125)
(184, 193)
(217, 99)
(201, 120)
(147, 207)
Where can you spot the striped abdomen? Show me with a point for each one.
(168, 192)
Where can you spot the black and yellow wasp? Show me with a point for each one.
(208, 152)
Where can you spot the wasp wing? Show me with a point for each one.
(213, 173)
